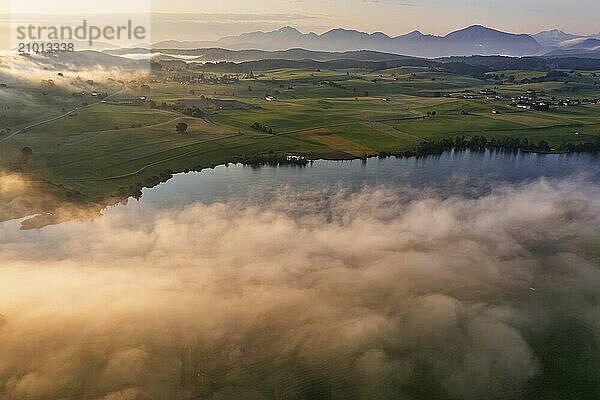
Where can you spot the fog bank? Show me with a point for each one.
(353, 295)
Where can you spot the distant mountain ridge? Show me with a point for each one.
(473, 40)
(582, 47)
(553, 37)
(219, 55)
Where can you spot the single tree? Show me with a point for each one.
(182, 127)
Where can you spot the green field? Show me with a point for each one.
(104, 150)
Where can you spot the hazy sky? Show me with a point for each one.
(212, 19)
(400, 16)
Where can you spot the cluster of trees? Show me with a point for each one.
(552, 76)
(480, 143)
(500, 78)
(194, 111)
(461, 68)
(586, 147)
(197, 110)
(333, 84)
(260, 127)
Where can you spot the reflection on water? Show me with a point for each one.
(463, 173)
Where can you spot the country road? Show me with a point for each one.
(25, 129)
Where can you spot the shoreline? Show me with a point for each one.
(40, 216)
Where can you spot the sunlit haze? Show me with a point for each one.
(209, 20)
(299, 200)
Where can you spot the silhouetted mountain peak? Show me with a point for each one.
(379, 35)
(476, 32)
(341, 32)
(477, 27)
(413, 34)
(556, 33)
(289, 30)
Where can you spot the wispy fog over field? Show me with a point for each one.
(32, 69)
(375, 294)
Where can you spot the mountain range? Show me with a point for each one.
(473, 40)
(219, 54)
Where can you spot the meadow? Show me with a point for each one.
(112, 149)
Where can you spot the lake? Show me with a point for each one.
(463, 173)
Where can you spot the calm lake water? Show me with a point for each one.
(489, 300)
(462, 173)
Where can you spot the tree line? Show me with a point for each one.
(263, 128)
(482, 143)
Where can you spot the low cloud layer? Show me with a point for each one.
(18, 196)
(39, 203)
(31, 69)
(353, 295)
